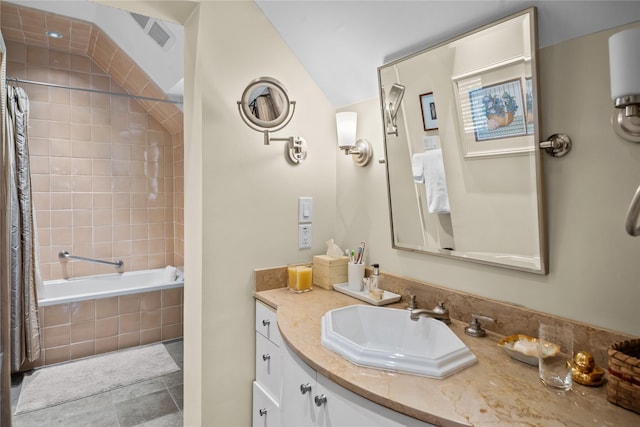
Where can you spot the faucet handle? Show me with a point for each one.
(440, 308)
(411, 305)
(475, 328)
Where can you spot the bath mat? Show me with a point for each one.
(54, 385)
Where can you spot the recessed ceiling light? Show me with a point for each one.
(54, 35)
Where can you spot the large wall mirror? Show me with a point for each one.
(462, 155)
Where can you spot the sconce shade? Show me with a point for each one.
(346, 125)
(624, 64)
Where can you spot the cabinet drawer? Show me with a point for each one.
(266, 412)
(266, 322)
(268, 361)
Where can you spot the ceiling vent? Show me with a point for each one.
(140, 19)
(158, 32)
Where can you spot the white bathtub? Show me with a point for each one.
(107, 285)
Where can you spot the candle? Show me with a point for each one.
(304, 278)
(300, 278)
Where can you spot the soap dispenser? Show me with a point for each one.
(375, 277)
(374, 283)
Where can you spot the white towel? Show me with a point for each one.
(417, 167)
(435, 183)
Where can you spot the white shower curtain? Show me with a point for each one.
(25, 273)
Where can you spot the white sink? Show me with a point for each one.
(386, 338)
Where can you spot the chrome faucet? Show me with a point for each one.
(440, 313)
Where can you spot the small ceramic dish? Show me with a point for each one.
(525, 348)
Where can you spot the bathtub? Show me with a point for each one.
(92, 315)
(108, 285)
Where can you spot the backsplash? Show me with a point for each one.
(510, 319)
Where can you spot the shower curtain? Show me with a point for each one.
(25, 273)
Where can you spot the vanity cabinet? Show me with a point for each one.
(266, 412)
(288, 392)
(266, 387)
(310, 399)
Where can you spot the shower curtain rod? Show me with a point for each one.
(105, 92)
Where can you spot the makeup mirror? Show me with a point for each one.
(265, 103)
(463, 168)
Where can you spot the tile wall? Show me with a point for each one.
(178, 200)
(102, 168)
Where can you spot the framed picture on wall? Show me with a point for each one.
(428, 108)
(492, 110)
(498, 110)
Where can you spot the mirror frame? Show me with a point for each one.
(535, 180)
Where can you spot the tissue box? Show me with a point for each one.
(327, 271)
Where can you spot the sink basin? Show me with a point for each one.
(386, 338)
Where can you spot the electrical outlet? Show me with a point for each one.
(304, 236)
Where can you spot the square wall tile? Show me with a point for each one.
(150, 336)
(82, 349)
(106, 307)
(129, 304)
(58, 314)
(83, 331)
(56, 336)
(128, 323)
(150, 300)
(57, 355)
(128, 340)
(171, 297)
(105, 328)
(171, 315)
(171, 332)
(82, 311)
(151, 319)
(105, 345)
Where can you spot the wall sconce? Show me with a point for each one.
(391, 107)
(624, 65)
(361, 150)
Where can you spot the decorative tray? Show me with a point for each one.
(525, 348)
(387, 297)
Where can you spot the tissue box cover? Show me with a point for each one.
(328, 271)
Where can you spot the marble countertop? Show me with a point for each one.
(496, 391)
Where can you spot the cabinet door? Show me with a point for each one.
(266, 412)
(345, 408)
(297, 408)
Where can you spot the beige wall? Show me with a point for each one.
(594, 271)
(237, 188)
(240, 196)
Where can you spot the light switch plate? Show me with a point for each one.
(305, 210)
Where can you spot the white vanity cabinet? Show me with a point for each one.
(266, 387)
(288, 392)
(310, 399)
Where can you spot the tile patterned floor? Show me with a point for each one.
(153, 403)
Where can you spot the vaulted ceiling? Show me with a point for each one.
(29, 26)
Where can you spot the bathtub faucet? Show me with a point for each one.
(64, 256)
